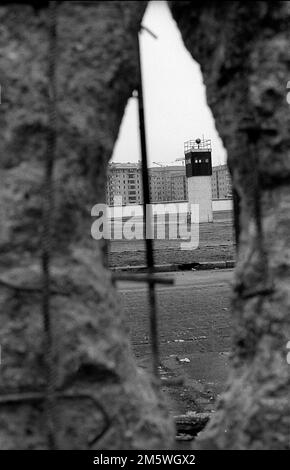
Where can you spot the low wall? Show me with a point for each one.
(172, 207)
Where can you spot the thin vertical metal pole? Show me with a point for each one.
(147, 220)
(48, 206)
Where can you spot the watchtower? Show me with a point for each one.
(198, 167)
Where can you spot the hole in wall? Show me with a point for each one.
(194, 316)
(175, 101)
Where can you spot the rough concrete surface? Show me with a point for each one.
(96, 74)
(243, 50)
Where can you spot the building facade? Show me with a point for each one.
(166, 183)
(221, 182)
(124, 184)
(179, 186)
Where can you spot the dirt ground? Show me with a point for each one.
(194, 315)
(216, 243)
(194, 332)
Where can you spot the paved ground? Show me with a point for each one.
(194, 330)
(215, 244)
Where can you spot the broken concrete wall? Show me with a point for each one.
(96, 74)
(243, 51)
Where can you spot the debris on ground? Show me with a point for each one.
(185, 359)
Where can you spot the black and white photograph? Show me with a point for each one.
(144, 231)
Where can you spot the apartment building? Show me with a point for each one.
(124, 183)
(221, 182)
(166, 183)
(179, 186)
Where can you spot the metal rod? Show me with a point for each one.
(48, 206)
(39, 397)
(147, 219)
(149, 31)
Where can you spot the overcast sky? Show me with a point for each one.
(175, 103)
